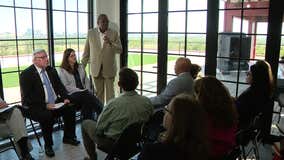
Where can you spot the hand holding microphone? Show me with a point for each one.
(106, 38)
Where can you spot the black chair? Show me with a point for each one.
(6, 134)
(26, 114)
(127, 145)
(153, 127)
(251, 134)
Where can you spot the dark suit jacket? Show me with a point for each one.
(32, 88)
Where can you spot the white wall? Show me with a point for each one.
(110, 8)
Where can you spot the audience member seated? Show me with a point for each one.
(185, 137)
(76, 82)
(41, 88)
(257, 98)
(119, 112)
(15, 121)
(195, 71)
(182, 83)
(222, 115)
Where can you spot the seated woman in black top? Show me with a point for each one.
(75, 80)
(257, 98)
(185, 137)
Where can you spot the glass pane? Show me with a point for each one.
(24, 23)
(83, 25)
(175, 5)
(7, 53)
(58, 4)
(71, 5)
(71, 24)
(7, 31)
(196, 22)
(23, 3)
(72, 43)
(25, 53)
(227, 69)
(150, 62)
(150, 42)
(134, 6)
(150, 22)
(150, 5)
(149, 82)
(171, 64)
(229, 20)
(41, 44)
(7, 2)
(196, 44)
(261, 27)
(11, 87)
(134, 42)
(134, 60)
(83, 5)
(177, 25)
(242, 88)
(197, 4)
(232, 87)
(229, 45)
(39, 4)
(59, 46)
(246, 4)
(176, 43)
(40, 24)
(59, 24)
(134, 23)
(260, 46)
(81, 47)
(139, 78)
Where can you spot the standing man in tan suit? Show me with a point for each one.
(101, 46)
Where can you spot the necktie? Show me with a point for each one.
(50, 94)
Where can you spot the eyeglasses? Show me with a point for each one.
(42, 57)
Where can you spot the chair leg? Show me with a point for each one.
(37, 137)
(14, 147)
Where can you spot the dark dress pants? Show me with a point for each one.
(46, 119)
(88, 103)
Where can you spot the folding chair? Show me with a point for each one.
(26, 114)
(127, 145)
(6, 134)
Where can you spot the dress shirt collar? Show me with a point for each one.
(38, 69)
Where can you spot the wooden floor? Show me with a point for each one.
(62, 151)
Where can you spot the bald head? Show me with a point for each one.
(182, 65)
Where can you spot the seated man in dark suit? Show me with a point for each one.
(40, 89)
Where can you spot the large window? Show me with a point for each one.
(25, 27)
(242, 33)
(142, 42)
(241, 40)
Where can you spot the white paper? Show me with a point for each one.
(58, 105)
(6, 108)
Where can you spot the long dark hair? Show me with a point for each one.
(217, 101)
(262, 79)
(188, 129)
(65, 64)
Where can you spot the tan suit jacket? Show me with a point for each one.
(101, 55)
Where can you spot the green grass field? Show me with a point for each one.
(12, 79)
